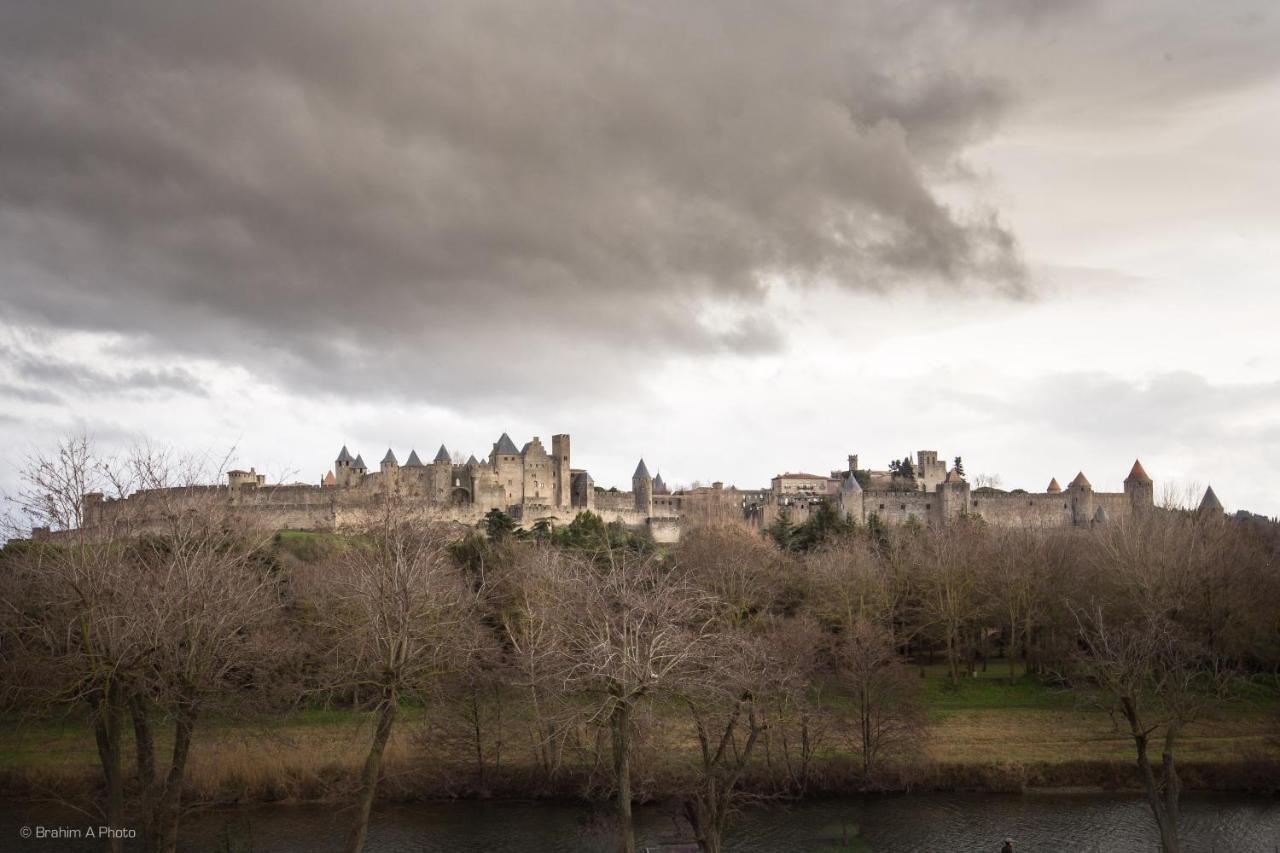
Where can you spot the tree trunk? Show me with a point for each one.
(865, 720)
(620, 722)
(144, 743)
(478, 733)
(108, 719)
(953, 666)
(168, 806)
(1165, 823)
(1009, 650)
(1172, 784)
(372, 767)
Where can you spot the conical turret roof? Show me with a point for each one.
(1137, 474)
(850, 484)
(953, 476)
(472, 460)
(659, 487)
(344, 455)
(328, 479)
(642, 472)
(442, 455)
(1053, 488)
(505, 446)
(359, 463)
(390, 458)
(413, 461)
(1082, 480)
(1210, 502)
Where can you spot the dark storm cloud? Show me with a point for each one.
(416, 195)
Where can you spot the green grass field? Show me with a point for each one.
(985, 721)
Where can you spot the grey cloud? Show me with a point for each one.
(46, 379)
(27, 394)
(414, 196)
(1177, 408)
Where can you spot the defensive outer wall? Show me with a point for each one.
(532, 484)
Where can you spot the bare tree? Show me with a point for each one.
(946, 567)
(394, 605)
(792, 707)
(722, 697)
(890, 718)
(208, 598)
(139, 607)
(851, 582)
(1139, 648)
(70, 603)
(987, 481)
(734, 564)
(626, 628)
(1016, 582)
(526, 599)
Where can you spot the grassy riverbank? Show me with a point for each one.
(987, 735)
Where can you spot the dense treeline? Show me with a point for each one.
(587, 639)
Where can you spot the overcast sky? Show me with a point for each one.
(736, 238)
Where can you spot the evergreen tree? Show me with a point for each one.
(959, 467)
(498, 525)
(782, 531)
(823, 523)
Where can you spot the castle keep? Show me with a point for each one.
(531, 484)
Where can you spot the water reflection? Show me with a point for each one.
(955, 823)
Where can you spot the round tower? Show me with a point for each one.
(1080, 491)
(1139, 488)
(342, 467)
(642, 489)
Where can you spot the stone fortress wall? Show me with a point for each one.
(531, 484)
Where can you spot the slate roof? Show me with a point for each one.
(659, 487)
(851, 484)
(413, 461)
(359, 463)
(442, 455)
(344, 455)
(641, 472)
(505, 446)
(1137, 474)
(472, 460)
(390, 457)
(1210, 502)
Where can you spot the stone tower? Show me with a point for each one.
(390, 468)
(953, 497)
(342, 467)
(1209, 504)
(642, 489)
(1080, 491)
(563, 476)
(1139, 488)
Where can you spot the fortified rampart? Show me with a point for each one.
(531, 485)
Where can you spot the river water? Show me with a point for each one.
(938, 823)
